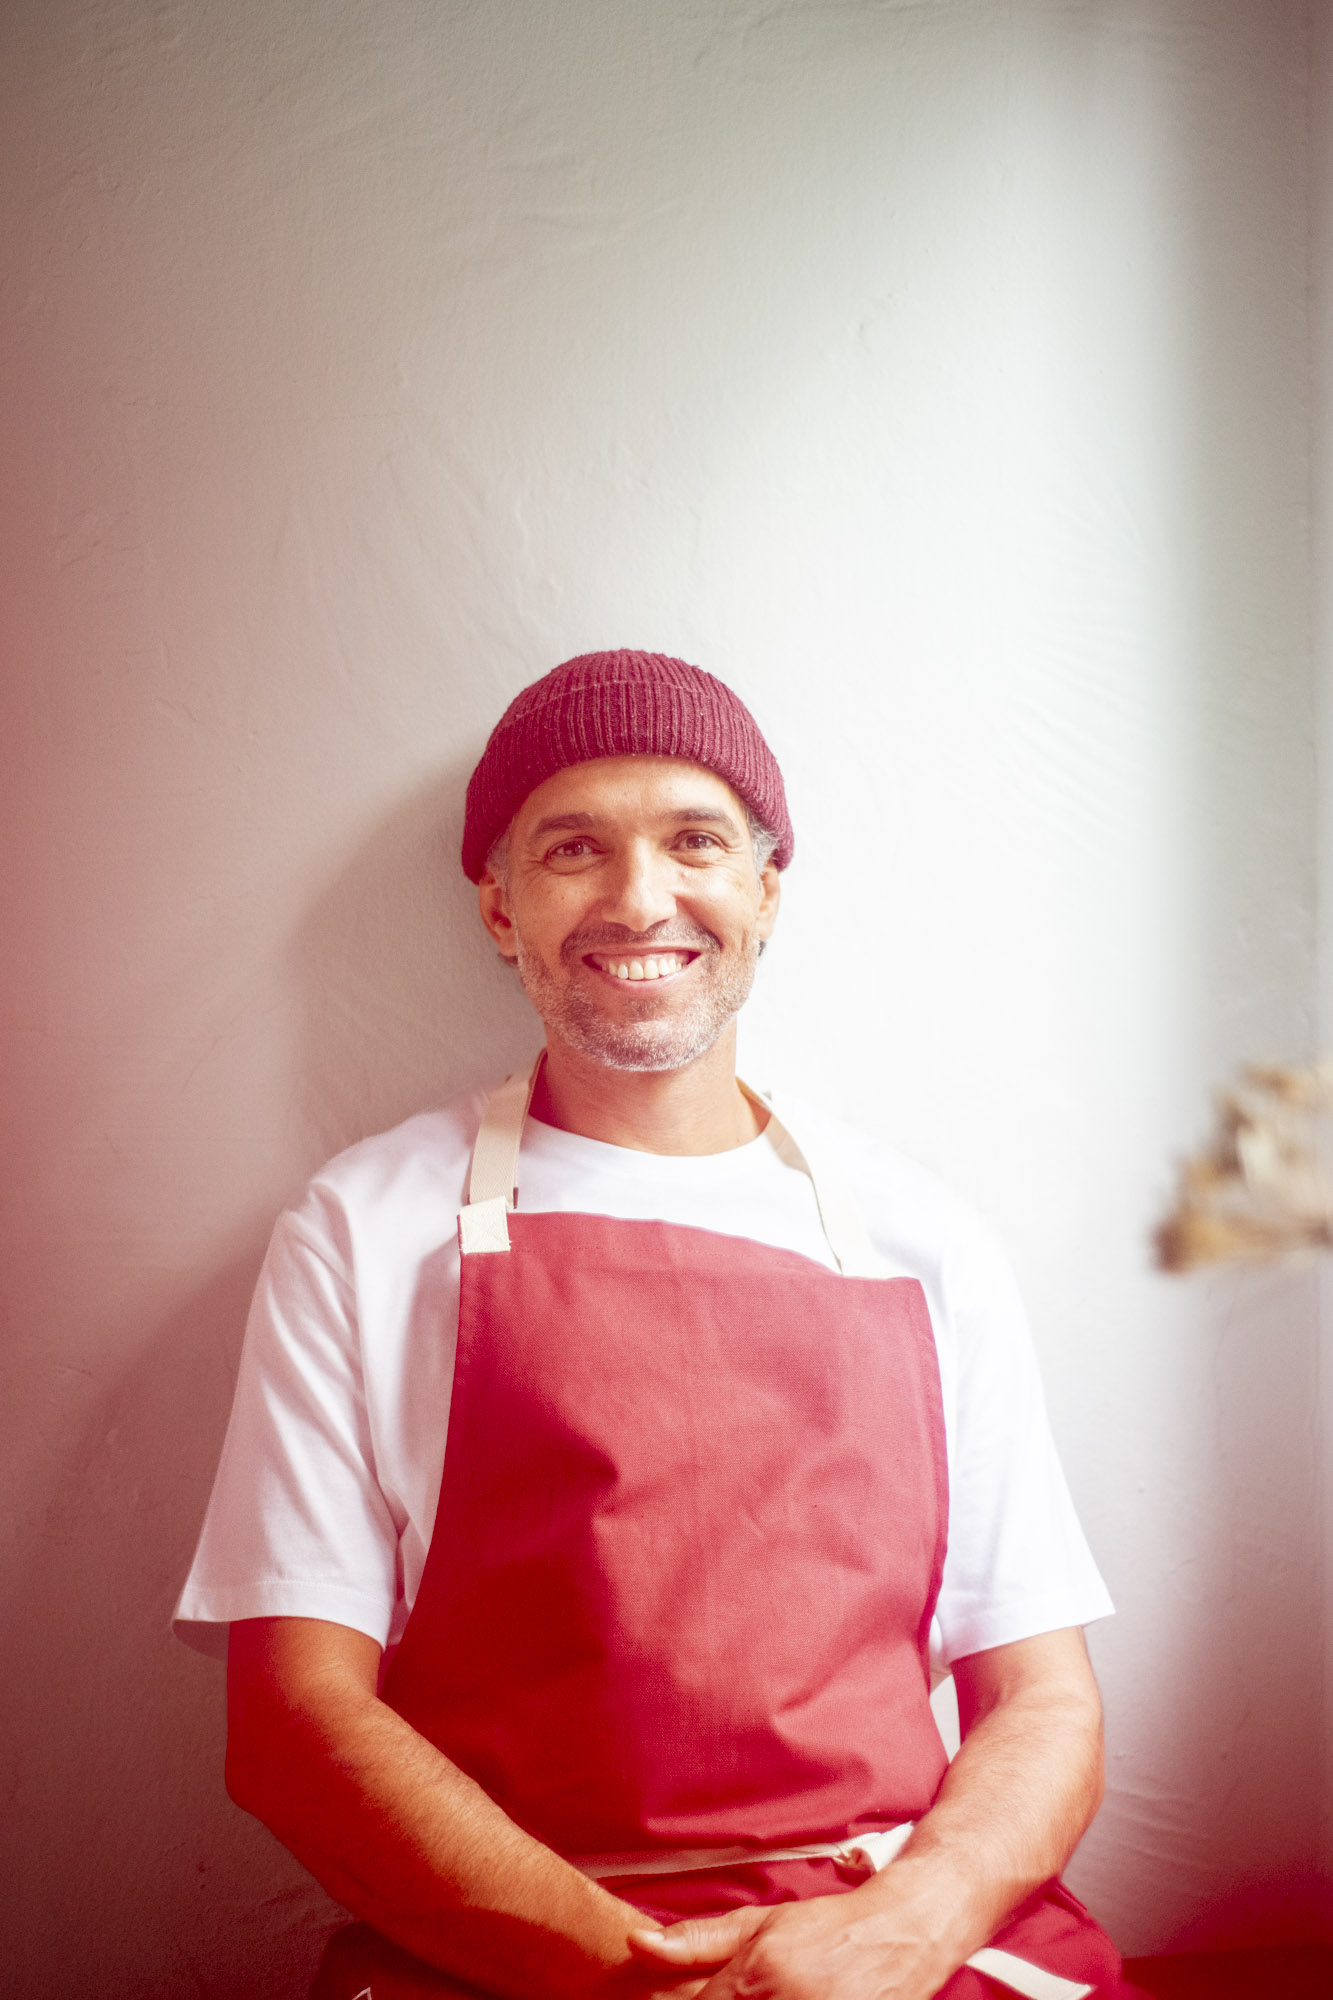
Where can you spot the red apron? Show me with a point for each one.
(689, 1539)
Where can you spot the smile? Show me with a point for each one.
(656, 965)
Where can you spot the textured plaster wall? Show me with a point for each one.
(938, 374)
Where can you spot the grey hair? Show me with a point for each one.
(762, 840)
(497, 857)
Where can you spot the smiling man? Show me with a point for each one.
(607, 1450)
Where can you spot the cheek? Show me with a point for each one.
(544, 928)
(732, 911)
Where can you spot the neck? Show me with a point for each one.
(697, 1109)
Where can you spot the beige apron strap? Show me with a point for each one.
(493, 1178)
(494, 1170)
(492, 1181)
(839, 1211)
(1020, 1975)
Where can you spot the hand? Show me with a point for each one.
(829, 1948)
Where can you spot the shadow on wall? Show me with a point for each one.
(405, 1000)
(134, 1873)
(401, 1002)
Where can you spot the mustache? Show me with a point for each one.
(615, 937)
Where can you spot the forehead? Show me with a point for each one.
(629, 790)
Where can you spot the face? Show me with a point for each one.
(632, 908)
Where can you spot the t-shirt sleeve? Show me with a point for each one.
(1018, 1563)
(297, 1525)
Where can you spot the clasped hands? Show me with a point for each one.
(848, 1947)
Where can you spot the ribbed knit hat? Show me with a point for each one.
(620, 704)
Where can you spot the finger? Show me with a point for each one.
(697, 1940)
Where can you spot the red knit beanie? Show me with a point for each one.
(620, 704)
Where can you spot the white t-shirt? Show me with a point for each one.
(325, 1496)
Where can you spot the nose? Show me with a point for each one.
(638, 888)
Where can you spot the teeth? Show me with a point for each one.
(646, 968)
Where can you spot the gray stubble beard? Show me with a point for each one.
(652, 1041)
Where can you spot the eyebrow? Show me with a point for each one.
(584, 822)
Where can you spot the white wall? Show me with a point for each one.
(1321, 607)
(936, 374)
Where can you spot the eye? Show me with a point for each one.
(573, 849)
(698, 842)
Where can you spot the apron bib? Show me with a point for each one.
(691, 1528)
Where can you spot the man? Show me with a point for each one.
(625, 1692)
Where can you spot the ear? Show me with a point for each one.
(770, 895)
(493, 901)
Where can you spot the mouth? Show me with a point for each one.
(657, 968)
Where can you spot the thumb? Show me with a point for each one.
(697, 1940)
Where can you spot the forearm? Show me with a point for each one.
(1013, 1806)
(407, 1841)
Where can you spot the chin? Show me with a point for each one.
(644, 1062)
(631, 1047)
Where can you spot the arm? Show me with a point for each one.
(404, 1838)
(1011, 1810)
